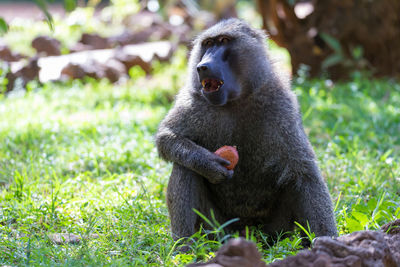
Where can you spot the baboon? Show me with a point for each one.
(233, 96)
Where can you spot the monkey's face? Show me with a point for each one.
(215, 72)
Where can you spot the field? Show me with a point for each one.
(79, 157)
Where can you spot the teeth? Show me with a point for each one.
(206, 82)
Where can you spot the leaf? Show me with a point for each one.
(201, 215)
(43, 6)
(353, 225)
(372, 203)
(357, 53)
(332, 42)
(3, 26)
(332, 60)
(69, 5)
(310, 235)
(361, 217)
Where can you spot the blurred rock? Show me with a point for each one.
(130, 55)
(184, 34)
(143, 54)
(47, 46)
(160, 32)
(65, 238)
(114, 70)
(143, 19)
(133, 60)
(68, 238)
(94, 41)
(27, 72)
(74, 71)
(153, 33)
(11, 77)
(79, 47)
(30, 71)
(149, 51)
(126, 38)
(7, 55)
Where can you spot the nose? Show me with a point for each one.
(202, 67)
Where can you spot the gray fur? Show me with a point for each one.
(276, 181)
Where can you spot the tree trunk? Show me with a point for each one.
(366, 34)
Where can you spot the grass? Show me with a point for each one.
(79, 158)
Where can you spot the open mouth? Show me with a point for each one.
(211, 85)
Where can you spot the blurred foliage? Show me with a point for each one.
(3, 26)
(355, 61)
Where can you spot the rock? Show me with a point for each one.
(114, 70)
(95, 41)
(73, 71)
(65, 238)
(30, 71)
(363, 248)
(144, 18)
(392, 238)
(26, 72)
(126, 38)
(79, 47)
(68, 238)
(133, 60)
(392, 228)
(358, 249)
(160, 32)
(90, 68)
(184, 33)
(236, 253)
(7, 55)
(11, 77)
(153, 33)
(47, 46)
(144, 54)
(51, 67)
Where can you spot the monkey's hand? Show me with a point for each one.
(175, 148)
(211, 166)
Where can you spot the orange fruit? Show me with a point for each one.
(229, 153)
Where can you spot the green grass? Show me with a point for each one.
(79, 158)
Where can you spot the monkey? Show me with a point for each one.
(234, 96)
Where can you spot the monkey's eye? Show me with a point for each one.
(208, 43)
(224, 40)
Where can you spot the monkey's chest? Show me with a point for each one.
(251, 193)
(215, 133)
(244, 199)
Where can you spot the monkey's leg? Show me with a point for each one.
(187, 191)
(314, 205)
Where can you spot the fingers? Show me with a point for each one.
(220, 174)
(229, 174)
(222, 161)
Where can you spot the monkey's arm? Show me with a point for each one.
(313, 202)
(310, 195)
(173, 145)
